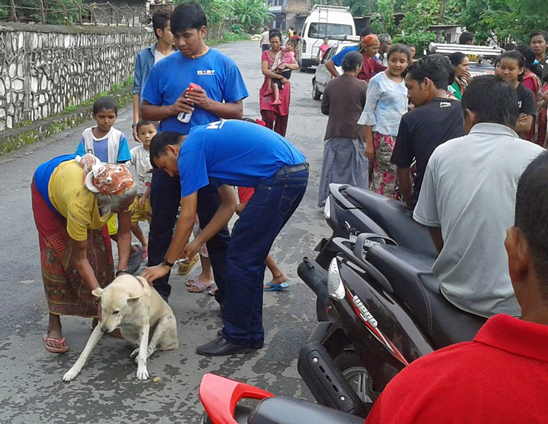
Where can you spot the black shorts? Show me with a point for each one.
(286, 73)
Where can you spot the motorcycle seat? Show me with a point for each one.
(280, 410)
(395, 219)
(410, 275)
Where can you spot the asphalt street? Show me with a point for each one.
(107, 390)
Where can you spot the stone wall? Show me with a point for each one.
(45, 68)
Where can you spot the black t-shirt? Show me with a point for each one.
(422, 130)
(526, 100)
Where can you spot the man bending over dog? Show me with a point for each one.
(226, 154)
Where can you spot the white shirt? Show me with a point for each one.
(140, 159)
(385, 104)
(159, 56)
(264, 38)
(469, 190)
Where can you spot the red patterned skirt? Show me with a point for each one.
(66, 292)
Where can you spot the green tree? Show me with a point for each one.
(503, 20)
(250, 14)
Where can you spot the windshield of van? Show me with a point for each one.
(333, 31)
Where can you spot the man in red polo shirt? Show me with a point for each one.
(501, 376)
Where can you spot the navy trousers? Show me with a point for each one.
(165, 198)
(270, 207)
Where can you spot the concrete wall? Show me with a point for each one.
(44, 68)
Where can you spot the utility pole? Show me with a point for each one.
(442, 12)
(369, 6)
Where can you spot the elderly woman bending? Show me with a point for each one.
(72, 200)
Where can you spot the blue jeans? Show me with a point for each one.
(264, 216)
(165, 198)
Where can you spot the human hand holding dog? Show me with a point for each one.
(152, 273)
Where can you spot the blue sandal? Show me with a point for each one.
(276, 287)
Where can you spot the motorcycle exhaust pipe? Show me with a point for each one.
(326, 382)
(314, 277)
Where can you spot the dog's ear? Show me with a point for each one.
(135, 296)
(98, 292)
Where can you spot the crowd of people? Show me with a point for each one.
(451, 147)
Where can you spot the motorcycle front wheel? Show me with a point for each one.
(356, 374)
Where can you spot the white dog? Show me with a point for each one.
(131, 304)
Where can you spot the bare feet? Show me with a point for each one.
(282, 278)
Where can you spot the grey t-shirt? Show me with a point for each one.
(469, 190)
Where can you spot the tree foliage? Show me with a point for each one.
(239, 15)
(504, 20)
(496, 21)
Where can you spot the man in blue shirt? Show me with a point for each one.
(148, 57)
(165, 96)
(226, 154)
(338, 58)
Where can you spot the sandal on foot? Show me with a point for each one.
(198, 286)
(276, 287)
(212, 292)
(187, 266)
(54, 345)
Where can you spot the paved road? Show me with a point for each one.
(31, 390)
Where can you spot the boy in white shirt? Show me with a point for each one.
(140, 159)
(104, 141)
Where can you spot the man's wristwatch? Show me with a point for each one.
(134, 125)
(122, 271)
(167, 263)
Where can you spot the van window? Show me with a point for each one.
(334, 31)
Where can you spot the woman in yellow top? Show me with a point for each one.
(72, 200)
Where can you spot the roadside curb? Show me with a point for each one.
(37, 131)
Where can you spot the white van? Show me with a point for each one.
(333, 22)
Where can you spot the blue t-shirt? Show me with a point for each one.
(232, 152)
(215, 72)
(42, 175)
(338, 58)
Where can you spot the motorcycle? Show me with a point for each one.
(221, 399)
(382, 304)
(351, 211)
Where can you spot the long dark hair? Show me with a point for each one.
(514, 55)
(529, 57)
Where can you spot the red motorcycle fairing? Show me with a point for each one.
(220, 395)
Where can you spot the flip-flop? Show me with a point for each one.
(186, 266)
(54, 345)
(276, 287)
(135, 260)
(198, 286)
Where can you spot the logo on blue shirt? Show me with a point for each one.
(206, 72)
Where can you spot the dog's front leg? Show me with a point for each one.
(142, 372)
(93, 339)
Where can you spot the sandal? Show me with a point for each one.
(276, 287)
(198, 286)
(54, 345)
(212, 292)
(187, 266)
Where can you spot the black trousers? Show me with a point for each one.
(165, 198)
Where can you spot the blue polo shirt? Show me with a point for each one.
(215, 72)
(338, 58)
(232, 152)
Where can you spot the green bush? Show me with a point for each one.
(418, 39)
